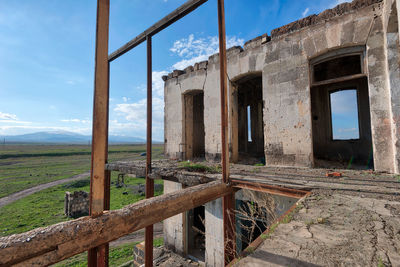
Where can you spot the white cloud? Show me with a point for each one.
(305, 12)
(137, 111)
(8, 116)
(349, 130)
(135, 114)
(158, 83)
(338, 2)
(193, 50)
(346, 133)
(188, 62)
(15, 122)
(133, 120)
(76, 120)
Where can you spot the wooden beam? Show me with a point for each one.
(99, 184)
(44, 246)
(163, 170)
(148, 245)
(340, 79)
(172, 17)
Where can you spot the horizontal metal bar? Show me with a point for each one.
(272, 189)
(172, 17)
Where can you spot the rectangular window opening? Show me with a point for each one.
(249, 124)
(344, 115)
(337, 67)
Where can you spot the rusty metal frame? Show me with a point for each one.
(100, 179)
(272, 189)
(149, 182)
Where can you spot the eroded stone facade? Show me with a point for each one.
(283, 62)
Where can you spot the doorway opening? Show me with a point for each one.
(247, 120)
(340, 110)
(194, 124)
(196, 242)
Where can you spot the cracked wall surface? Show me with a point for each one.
(284, 62)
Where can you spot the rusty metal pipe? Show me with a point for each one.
(228, 202)
(149, 182)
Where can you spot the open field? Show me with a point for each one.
(118, 255)
(47, 206)
(24, 166)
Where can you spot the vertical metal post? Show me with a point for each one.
(99, 177)
(227, 201)
(223, 85)
(149, 182)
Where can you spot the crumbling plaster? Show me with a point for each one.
(283, 60)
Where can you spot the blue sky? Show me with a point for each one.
(344, 110)
(47, 56)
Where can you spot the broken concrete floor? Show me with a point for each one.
(334, 229)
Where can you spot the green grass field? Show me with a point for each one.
(25, 166)
(47, 206)
(117, 256)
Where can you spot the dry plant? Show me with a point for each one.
(201, 235)
(253, 216)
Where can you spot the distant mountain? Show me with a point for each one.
(64, 137)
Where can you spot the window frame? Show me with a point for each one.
(343, 52)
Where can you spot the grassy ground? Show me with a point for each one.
(47, 206)
(25, 166)
(118, 255)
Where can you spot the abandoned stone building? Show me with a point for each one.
(280, 105)
(280, 88)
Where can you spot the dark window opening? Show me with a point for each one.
(344, 115)
(250, 124)
(196, 233)
(338, 67)
(194, 125)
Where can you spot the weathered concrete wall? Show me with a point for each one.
(379, 93)
(284, 61)
(173, 228)
(214, 233)
(392, 37)
(286, 95)
(174, 89)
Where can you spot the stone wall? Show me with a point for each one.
(283, 60)
(173, 227)
(76, 204)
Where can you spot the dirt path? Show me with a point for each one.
(13, 197)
